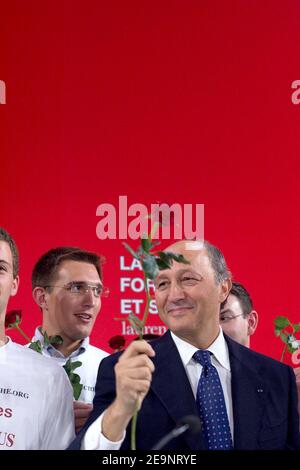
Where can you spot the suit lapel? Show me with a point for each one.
(249, 392)
(171, 385)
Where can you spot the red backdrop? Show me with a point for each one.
(186, 102)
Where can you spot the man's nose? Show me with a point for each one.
(89, 298)
(176, 292)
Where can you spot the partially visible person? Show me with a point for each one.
(239, 321)
(35, 394)
(67, 286)
(238, 317)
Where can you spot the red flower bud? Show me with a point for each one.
(13, 318)
(117, 342)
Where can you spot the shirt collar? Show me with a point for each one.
(218, 348)
(53, 351)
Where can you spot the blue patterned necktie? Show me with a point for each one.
(211, 405)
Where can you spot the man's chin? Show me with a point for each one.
(81, 335)
(178, 327)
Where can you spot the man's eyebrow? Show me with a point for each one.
(162, 273)
(86, 282)
(5, 262)
(190, 270)
(227, 310)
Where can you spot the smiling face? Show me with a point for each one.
(8, 284)
(188, 296)
(69, 314)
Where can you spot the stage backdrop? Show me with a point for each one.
(193, 102)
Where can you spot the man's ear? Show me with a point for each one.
(252, 322)
(15, 286)
(39, 295)
(225, 289)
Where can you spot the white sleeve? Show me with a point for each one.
(95, 440)
(59, 427)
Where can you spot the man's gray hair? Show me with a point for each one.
(218, 262)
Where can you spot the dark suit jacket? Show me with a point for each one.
(264, 398)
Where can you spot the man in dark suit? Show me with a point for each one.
(255, 395)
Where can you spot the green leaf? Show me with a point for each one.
(74, 378)
(71, 376)
(164, 260)
(68, 366)
(46, 338)
(167, 258)
(77, 387)
(284, 337)
(277, 331)
(36, 346)
(56, 339)
(178, 258)
(146, 244)
(296, 327)
(75, 364)
(131, 251)
(150, 267)
(281, 322)
(162, 264)
(136, 323)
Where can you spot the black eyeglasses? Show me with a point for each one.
(81, 288)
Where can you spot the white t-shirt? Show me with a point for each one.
(89, 355)
(36, 404)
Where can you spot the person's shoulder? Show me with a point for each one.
(24, 351)
(37, 363)
(97, 353)
(251, 356)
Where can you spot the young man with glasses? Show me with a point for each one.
(67, 286)
(237, 317)
(36, 411)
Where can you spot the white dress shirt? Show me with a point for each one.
(219, 359)
(88, 355)
(95, 440)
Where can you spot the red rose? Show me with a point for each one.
(13, 318)
(117, 342)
